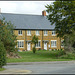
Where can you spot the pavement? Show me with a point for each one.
(15, 71)
(29, 71)
(49, 62)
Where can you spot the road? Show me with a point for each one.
(46, 68)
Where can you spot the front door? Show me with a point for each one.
(28, 46)
(45, 45)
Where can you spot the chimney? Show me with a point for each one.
(44, 13)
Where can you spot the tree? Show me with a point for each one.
(7, 36)
(62, 14)
(34, 41)
(2, 54)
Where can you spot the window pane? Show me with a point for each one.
(39, 44)
(19, 31)
(55, 43)
(22, 44)
(18, 43)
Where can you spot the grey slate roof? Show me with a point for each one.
(24, 21)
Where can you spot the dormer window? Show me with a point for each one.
(19, 32)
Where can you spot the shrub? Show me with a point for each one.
(34, 49)
(2, 55)
(52, 49)
(68, 56)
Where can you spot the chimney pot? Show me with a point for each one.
(44, 13)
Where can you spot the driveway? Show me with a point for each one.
(57, 67)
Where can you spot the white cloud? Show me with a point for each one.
(23, 7)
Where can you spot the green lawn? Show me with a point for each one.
(1, 69)
(40, 56)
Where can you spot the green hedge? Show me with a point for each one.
(2, 55)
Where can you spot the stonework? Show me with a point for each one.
(42, 38)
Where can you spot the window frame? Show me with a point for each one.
(54, 33)
(29, 32)
(19, 32)
(20, 43)
(45, 33)
(37, 31)
(54, 44)
(61, 43)
(38, 45)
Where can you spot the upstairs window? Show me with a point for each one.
(45, 33)
(37, 32)
(19, 32)
(29, 32)
(53, 33)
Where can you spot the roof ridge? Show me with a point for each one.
(21, 14)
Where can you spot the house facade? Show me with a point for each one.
(26, 26)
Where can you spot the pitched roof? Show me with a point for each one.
(24, 21)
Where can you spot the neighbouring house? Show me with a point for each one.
(29, 25)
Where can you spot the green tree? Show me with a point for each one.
(34, 41)
(62, 14)
(7, 36)
(2, 54)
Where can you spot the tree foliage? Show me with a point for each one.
(7, 35)
(2, 54)
(34, 41)
(62, 14)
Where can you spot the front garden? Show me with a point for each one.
(42, 56)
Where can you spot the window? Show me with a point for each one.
(53, 43)
(53, 33)
(28, 32)
(62, 43)
(37, 32)
(38, 44)
(20, 32)
(21, 44)
(45, 33)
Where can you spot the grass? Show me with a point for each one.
(41, 56)
(1, 69)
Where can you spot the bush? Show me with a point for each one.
(34, 49)
(68, 56)
(2, 55)
(52, 49)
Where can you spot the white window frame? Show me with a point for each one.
(53, 45)
(45, 33)
(37, 32)
(54, 33)
(61, 42)
(20, 43)
(20, 32)
(29, 32)
(38, 45)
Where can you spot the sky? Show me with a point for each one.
(24, 7)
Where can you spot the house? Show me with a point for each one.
(29, 25)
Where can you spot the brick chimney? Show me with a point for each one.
(44, 13)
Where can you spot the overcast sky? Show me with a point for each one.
(24, 7)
